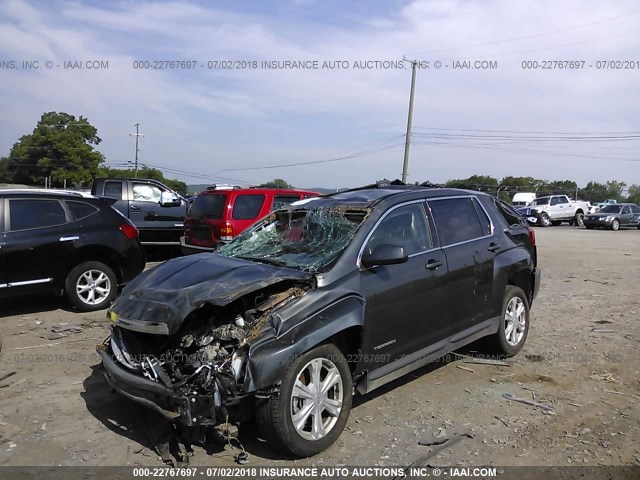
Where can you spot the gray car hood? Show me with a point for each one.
(162, 297)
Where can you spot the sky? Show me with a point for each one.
(234, 108)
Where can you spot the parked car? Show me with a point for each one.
(222, 212)
(597, 206)
(156, 210)
(553, 210)
(69, 243)
(522, 199)
(614, 216)
(323, 298)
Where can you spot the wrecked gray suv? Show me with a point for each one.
(328, 297)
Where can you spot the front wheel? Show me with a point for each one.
(514, 322)
(578, 220)
(615, 225)
(91, 286)
(312, 408)
(545, 221)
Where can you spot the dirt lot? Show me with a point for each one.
(581, 358)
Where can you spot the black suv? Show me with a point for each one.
(67, 243)
(327, 297)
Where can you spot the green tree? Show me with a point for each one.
(61, 147)
(598, 192)
(634, 194)
(144, 172)
(484, 183)
(5, 173)
(277, 183)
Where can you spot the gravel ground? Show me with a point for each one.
(581, 358)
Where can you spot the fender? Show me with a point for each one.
(281, 345)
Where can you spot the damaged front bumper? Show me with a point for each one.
(189, 410)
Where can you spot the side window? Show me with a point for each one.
(81, 209)
(247, 207)
(145, 192)
(509, 215)
(626, 209)
(32, 213)
(562, 200)
(456, 220)
(113, 189)
(555, 201)
(484, 219)
(635, 209)
(405, 226)
(280, 201)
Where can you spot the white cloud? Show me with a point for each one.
(201, 120)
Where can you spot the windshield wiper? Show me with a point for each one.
(269, 261)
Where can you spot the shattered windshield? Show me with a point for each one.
(305, 239)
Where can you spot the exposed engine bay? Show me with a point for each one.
(203, 364)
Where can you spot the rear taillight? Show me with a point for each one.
(226, 232)
(129, 230)
(532, 236)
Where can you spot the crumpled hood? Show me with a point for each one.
(169, 292)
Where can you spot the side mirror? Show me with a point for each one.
(168, 199)
(384, 254)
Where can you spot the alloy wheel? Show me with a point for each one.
(515, 321)
(93, 287)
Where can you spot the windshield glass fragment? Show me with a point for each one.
(305, 239)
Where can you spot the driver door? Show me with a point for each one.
(406, 304)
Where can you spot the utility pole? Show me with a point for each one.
(137, 135)
(407, 142)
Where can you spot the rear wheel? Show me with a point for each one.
(615, 225)
(514, 323)
(91, 286)
(313, 405)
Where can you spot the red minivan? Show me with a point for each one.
(217, 215)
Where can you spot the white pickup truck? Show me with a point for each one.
(555, 209)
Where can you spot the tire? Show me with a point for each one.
(578, 220)
(615, 225)
(275, 415)
(509, 341)
(545, 221)
(91, 286)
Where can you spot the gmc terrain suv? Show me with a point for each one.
(324, 298)
(67, 243)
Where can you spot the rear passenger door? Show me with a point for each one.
(40, 238)
(466, 235)
(626, 218)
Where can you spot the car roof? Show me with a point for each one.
(44, 192)
(370, 195)
(255, 190)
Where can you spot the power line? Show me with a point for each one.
(314, 162)
(527, 131)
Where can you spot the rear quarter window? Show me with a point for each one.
(511, 218)
(280, 201)
(208, 206)
(247, 207)
(81, 210)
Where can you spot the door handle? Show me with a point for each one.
(493, 247)
(433, 264)
(71, 238)
(134, 208)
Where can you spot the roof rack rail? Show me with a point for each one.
(223, 186)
